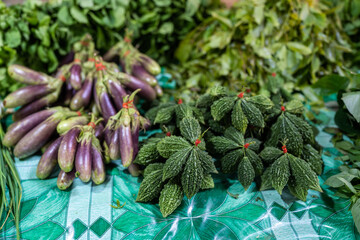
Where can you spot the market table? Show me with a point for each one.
(88, 211)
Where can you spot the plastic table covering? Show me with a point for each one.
(85, 211)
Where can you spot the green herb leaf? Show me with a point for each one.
(78, 15)
(352, 103)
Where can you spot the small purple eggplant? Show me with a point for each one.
(26, 95)
(26, 75)
(65, 179)
(114, 147)
(133, 83)
(98, 168)
(67, 150)
(83, 96)
(117, 93)
(48, 160)
(18, 129)
(83, 160)
(139, 72)
(126, 145)
(150, 65)
(75, 76)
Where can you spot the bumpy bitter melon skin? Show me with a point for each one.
(263, 103)
(266, 180)
(153, 167)
(175, 163)
(295, 107)
(221, 107)
(283, 130)
(170, 198)
(312, 156)
(183, 110)
(253, 114)
(190, 129)
(255, 144)
(303, 127)
(204, 101)
(238, 118)
(230, 161)
(234, 135)
(280, 173)
(147, 154)
(207, 182)
(165, 115)
(207, 162)
(150, 187)
(223, 145)
(270, 154)
(152, 113)
(246, 173)
(255, 161)
(303, 174)
(192, 175)
(170, 145)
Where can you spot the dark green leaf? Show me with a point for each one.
(78, 15)
(331, 84)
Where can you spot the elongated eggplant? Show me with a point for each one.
(150, 65)
(75, 76)
(48, 160)
(83, 160)
(18, 129)
(134, 170)
(26, 95)
(69, 92)
(114, 147)
(98, 167)
(26, 75)
(106, 105)
(82, 98)
(117, 93)
(65, 179)
(67, 59)
(99, 131)
(158, 90)
(133, 83)
(139, 72)
(67, 150)
(35, 106)
(38, 136)
(126, 145)
(67, 124)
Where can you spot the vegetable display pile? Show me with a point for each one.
(38, 34)
(92, 117)
(300, 40)
(249, 134)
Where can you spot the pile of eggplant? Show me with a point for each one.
(84, 116)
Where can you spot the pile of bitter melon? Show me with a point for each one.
(246, 133)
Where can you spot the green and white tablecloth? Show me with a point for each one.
(85, 211)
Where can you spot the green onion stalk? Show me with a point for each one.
(10, 184)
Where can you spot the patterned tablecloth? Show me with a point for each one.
(85, 211)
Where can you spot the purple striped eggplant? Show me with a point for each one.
(75, 76)
(48, 160)
(117, 93)
(126, 145)
(18, 129)
(67, 59)
(39, 135)
(82, 98)
(98, 168)
(135, 135)
(65, 180)
(26, 75)
(67, 149)
(133, 83)
(26, 95)
(134, 170)
(68, 94)
(35, 106)
(139, 72)
(83, 160)
(67, 124)
(150, 65)
(114, 147)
